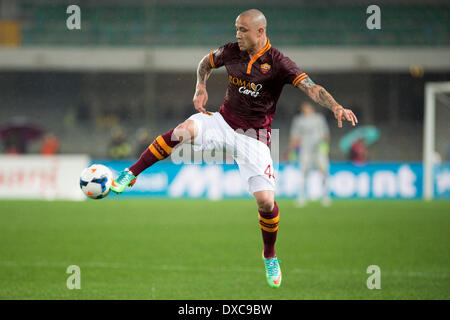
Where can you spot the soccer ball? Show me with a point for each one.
(95, 181)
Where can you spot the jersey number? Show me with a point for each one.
(269, 172)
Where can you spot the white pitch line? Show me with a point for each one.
(116, 265)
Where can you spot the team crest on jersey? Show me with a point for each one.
(265, 67)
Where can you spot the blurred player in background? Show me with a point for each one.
(257, 73)
(309, 131)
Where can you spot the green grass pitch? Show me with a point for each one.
(196, 249)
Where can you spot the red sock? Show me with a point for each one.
(268, 222)
(160, 149)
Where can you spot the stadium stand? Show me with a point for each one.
(296, 24)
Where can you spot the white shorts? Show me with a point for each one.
(252, 156)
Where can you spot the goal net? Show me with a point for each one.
(436, 141)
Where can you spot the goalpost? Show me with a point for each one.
(432, 89)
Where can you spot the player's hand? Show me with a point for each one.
(200, 98)
(340, 113)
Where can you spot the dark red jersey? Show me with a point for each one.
(254, 85)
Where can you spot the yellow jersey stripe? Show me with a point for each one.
(299, 78)
(259, 54)
(211, 60)
(300, 75)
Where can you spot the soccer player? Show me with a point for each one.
(257, 73)
(310, 131)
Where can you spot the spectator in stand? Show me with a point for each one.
(14, 144)
(144, 141)
(359, 151)
(119, 147)
(50, 145)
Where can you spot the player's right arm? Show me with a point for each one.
(203, 72)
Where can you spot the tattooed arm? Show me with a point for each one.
(321, 96)
(201, 95)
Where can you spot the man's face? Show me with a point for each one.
(247, 34)
(307, 109)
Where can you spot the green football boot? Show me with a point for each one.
(273, 272)
(125, 179)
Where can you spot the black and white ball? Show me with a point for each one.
(95, 181)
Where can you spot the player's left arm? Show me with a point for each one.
(321, 96)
